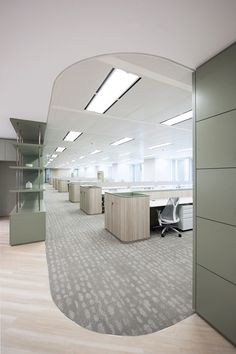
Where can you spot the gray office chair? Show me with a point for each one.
(169, 217)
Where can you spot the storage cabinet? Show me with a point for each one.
(74, 192)
(28, 218)
(63, 185)
(186, 217)
(91, 199)
(127, 216)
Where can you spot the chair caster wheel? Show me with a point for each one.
(162, 235)
(180, 235)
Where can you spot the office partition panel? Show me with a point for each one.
(215, 196)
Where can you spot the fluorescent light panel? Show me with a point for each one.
(72, 136)
(114, 86)
(178, 119)
(122, 141)
(54, 156)
(95, 152)
(159, 146)
(60, 149)
(82, 157)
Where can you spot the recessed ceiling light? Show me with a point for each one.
(54, 156)
(115, 85)
(60, 149)
(122, 141)
(158, 146)
(50, 160)
(72, 136)
(178, 119)
(95, 152)
(82, 157)
(72, 160)
(105, 158)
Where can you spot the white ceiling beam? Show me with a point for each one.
(108, 116)
(141, 71)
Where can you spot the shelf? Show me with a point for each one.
(28, 218)
(27, 190)
(30, 149)
(30, 206)
(28, 130)
(27, 168)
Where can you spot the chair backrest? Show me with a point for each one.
(170, 210)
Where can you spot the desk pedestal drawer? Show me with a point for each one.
(185, 224)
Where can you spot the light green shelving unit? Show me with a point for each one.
(28, 218)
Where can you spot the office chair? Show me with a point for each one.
(168, 216)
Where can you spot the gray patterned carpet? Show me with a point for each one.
(110, 287)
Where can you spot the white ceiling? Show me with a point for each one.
(39, 39)
(164, 91)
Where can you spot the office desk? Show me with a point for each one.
(162, 202)
(185, 210)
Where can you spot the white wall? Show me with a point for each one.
(159, 170)
(60, 172)
(163, 170)
(149, 172)
(48, 36)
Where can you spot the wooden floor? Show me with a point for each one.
(31, 323)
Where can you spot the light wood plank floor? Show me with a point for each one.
(31, 323)
(4, 230)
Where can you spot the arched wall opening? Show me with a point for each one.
(157, 156)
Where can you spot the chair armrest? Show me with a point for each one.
(159, 217)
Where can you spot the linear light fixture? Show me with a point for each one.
(122, 141)
(105, 158)
(82, 157)
(72, 136)
(54, 156)
(95, 152)
(115, 85)
(60, 149)
(178, 119)
(159, 146)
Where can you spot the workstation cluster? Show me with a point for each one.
(131, 210)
